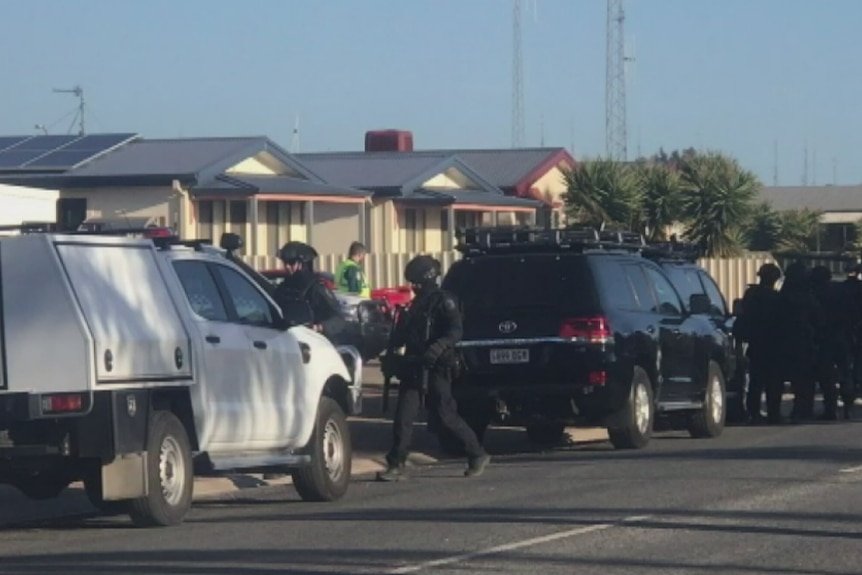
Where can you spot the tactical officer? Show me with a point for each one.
(833, 354)
(800, 328)
(852, 285)
(302, 283)
(756, 325)
(429, 333)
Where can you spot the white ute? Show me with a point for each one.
(132, 363)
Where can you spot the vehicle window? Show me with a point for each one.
(668, 299)
(645, 298)
(685, 281)
(201, 290)
(616, 288)
(719, 306)
(251, 306)
(525, 282)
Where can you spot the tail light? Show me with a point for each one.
(158, 232)
(586, 330)
(63, 403)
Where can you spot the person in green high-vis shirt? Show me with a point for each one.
(349, 277)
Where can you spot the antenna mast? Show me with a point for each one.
(294, 143)
(615, 84)
(79, 93)
(517, 79)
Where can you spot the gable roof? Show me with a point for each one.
(817, 198)
(189, 159)
(508, 167)
(377, 172)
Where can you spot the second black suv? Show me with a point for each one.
(573, 327)
(679, 261)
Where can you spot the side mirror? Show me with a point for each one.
(699, 303)
(737, 307)
(230, 242)
(296, 312)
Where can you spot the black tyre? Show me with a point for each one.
(546, 433)
(328, 476)
(169, 474)
(709, 421)
(633, 426)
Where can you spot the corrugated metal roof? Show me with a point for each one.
(251, 185)
(817, 198)
(505, 167)
(502, 167)
(168, 157)
(369, 170)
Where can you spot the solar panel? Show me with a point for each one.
(9, 141)
(79, 151)
(45, 143)
(99, 142)
(14, 158)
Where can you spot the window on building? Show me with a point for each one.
(71, 213)
(205, 219)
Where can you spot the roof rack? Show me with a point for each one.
(508, 239)
(682, 251)
(163, 238)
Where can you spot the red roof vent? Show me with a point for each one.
(388, 141)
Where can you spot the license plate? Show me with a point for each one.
(510, 356)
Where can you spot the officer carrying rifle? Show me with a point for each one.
(429, 331)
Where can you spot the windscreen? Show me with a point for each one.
(534, 281)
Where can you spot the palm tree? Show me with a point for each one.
(763, 229)
(660, 199)
(716, 200)
(799, 230)
(602, 192)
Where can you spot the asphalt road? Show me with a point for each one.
(766, 500)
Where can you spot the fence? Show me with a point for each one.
(387, 270)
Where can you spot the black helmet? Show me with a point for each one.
(297, 252)
(796, 273)
(769, 272)
(422, 270)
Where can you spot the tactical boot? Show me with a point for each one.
(476, 465)
(393, 473)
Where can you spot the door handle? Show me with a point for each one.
(213, 339)
(260, 344)
(306, 352)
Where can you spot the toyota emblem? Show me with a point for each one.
(507, 326)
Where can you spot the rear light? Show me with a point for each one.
(586, 330)
(63, 403)
(158, 232)
(598, 377)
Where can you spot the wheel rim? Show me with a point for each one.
(642, 408)
(333, 450)
(716, 399)
(172, 471)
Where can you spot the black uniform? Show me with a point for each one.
(801, 322)
(757, 326)
(305, 285)
(429, 331)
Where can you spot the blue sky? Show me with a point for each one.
(732, 75)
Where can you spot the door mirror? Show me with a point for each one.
(737, 307)
(699, 303)
(230, 242)
(296, 312)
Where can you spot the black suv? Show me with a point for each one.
(679, 261)
(576, 327)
